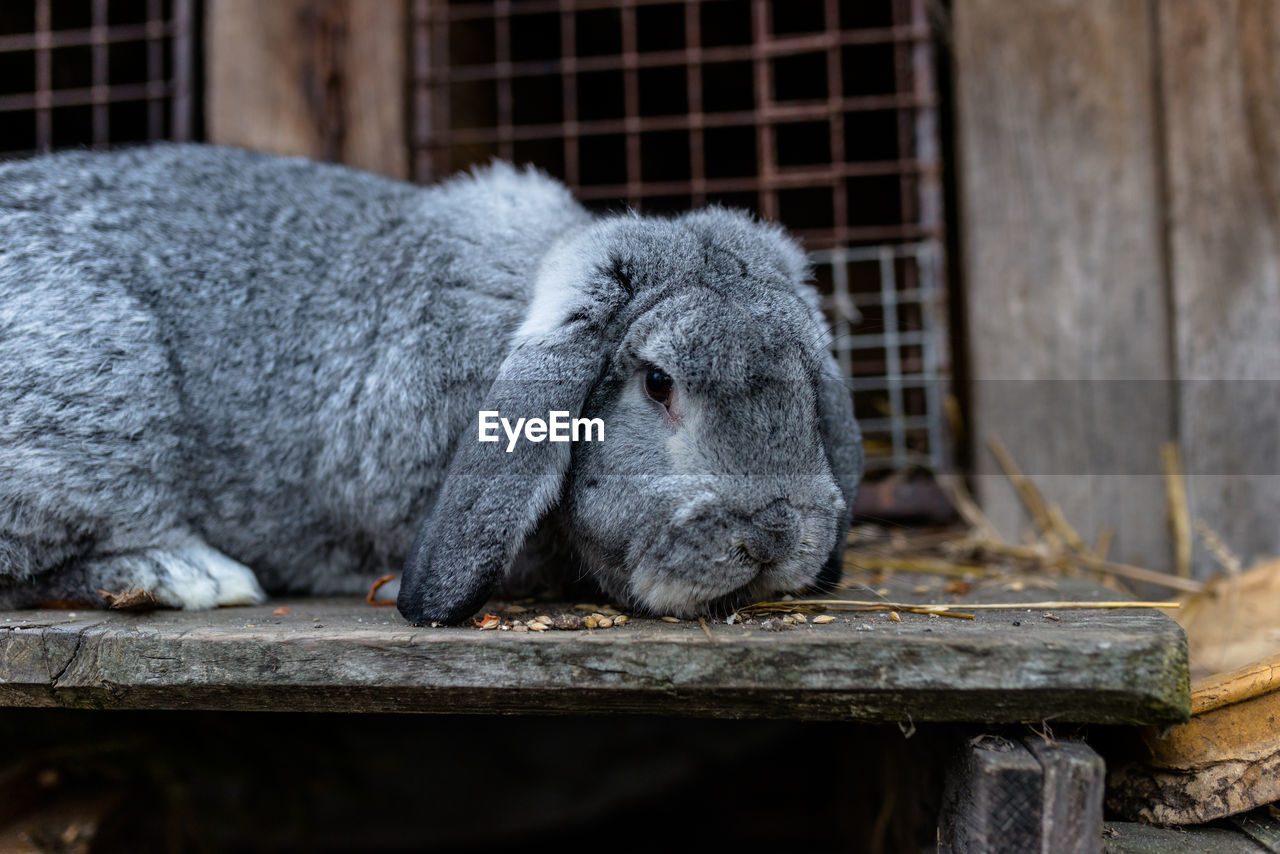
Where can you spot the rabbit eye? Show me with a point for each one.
(658, 386)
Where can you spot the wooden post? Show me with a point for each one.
(1064, 270)
(1030, 796)
(319, 78)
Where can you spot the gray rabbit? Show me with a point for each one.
(223, 372)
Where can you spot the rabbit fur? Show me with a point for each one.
(223, 372)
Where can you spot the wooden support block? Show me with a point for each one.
(1031, 796)
(1074, 784)
(993, 799)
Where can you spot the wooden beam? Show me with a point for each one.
(324, 79)
(1064, 269)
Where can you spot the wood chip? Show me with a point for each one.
(133, 599)
(822, 619)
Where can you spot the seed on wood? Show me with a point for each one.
(538, 627)
(585, 608)
(604, 623)
(823, 618)
(621, 620)
(893, 616)
(568, 622)
(514, 609)
(609, 611)
(882, 591)
(487, 622)
(519, 627)
(281, 611)
(800, 618)
(789, 619)
(504, 628)
(589, 621)
(542, 618)
(670, 619)
(1052, 617)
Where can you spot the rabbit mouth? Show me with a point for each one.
(669, 593)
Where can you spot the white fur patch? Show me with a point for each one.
(554, 290)
(197, 577)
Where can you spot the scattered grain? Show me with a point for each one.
(621, 620)
(515, 609)
(670, 619)
(822, 619)
(538, 627)
(893, 617)
(604, 623)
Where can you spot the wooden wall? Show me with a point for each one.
(317, 78)
(1119, 171)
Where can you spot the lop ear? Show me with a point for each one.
(492, 499)
(842, 440)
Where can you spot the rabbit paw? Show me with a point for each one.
(195, 577)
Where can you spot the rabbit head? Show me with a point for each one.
(730, 454)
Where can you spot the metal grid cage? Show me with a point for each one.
(821, 114)
(94, 73)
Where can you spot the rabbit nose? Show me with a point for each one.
(773, 534)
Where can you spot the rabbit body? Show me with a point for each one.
(206, 352)
(222, 371)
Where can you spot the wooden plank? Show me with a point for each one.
(318, 78)
(1121, 666)
(1220, 62)
(1121, 837)
(1063, 264)
(1224, 761)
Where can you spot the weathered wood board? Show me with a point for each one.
(1123, 666)
(1064, 271)
(1220, 74)
(324, 79)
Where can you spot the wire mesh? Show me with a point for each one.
(821, 114)
(94, 73)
